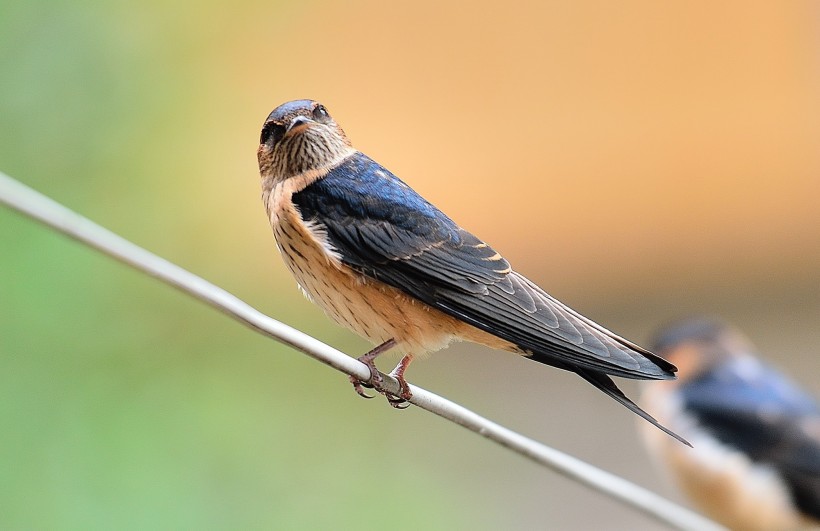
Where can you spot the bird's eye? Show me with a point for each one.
(272, 130)
(320, 113)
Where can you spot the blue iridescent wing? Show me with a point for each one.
(386, 231)
(750, 406)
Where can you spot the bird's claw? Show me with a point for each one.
(359, 386)
(397, 403)
(400, 401)
(376, 380)
(377, 383)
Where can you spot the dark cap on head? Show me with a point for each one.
(700, 329)
(287, 111)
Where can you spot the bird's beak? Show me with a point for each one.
(298, 124)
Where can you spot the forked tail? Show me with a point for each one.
(605, 384)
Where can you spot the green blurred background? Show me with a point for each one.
(640, 160)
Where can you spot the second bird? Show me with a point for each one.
(381, 260)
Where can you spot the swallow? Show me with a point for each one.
(756, 434)
(384, 262)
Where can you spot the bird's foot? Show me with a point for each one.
(401, 401)
(376, 380)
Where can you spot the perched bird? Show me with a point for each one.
(381, 260)
(756, 458)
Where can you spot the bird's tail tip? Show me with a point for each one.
(605, 384)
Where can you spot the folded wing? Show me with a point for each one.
(751, 407)
(383, 229)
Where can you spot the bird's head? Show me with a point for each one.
(697, 345)
(300, 136)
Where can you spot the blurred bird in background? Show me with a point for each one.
(381, 260)
(756, 436)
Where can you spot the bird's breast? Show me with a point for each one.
(370, 308)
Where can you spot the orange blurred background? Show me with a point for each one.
(640, 160)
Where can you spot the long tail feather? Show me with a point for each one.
(605, 384)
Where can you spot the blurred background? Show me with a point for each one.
(642, 161)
